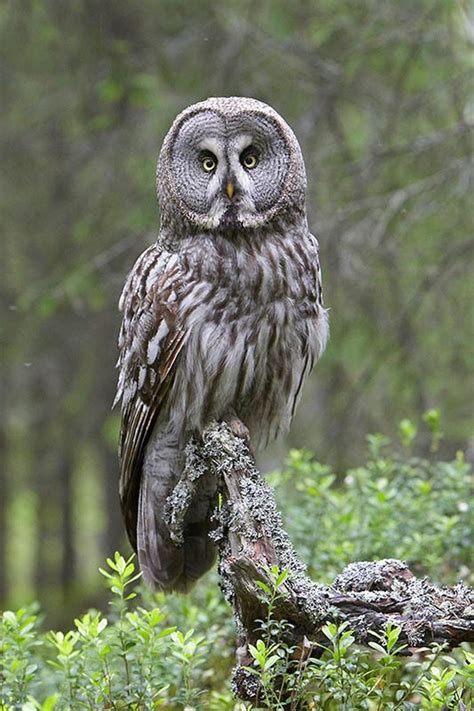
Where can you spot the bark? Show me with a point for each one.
(3, 516)
(68, 553)
(251, 539)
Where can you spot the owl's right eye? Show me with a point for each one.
(209, 163)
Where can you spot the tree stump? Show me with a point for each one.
(251, 539)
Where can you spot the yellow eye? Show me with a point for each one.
(249, 161)
(209, 164)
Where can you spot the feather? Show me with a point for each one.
(148, 327)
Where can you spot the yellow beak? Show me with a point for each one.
(230, 190)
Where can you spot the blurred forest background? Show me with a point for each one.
(378, 94)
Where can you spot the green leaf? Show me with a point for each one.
(378, 647)
(263, 586)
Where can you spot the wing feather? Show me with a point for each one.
(150, 342)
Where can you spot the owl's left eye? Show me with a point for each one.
(249, 159)
(209, 163)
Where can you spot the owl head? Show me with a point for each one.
(230, 163)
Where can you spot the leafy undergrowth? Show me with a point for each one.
(177, 652)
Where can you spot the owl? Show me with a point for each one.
(223, 317)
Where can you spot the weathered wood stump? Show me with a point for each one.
(251, 539)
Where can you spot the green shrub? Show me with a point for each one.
(150, 651)
(346, 676)
(396, 506)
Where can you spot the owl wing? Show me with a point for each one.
(150, 341)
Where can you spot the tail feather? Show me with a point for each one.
(166, 565)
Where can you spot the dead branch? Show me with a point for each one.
(251, 539)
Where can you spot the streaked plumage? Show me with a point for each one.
(222, 316)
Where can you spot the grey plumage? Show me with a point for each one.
(222, 316)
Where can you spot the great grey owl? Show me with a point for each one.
(222, 317)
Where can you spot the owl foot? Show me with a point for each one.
(238, 428)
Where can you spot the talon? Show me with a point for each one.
(238, 428)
